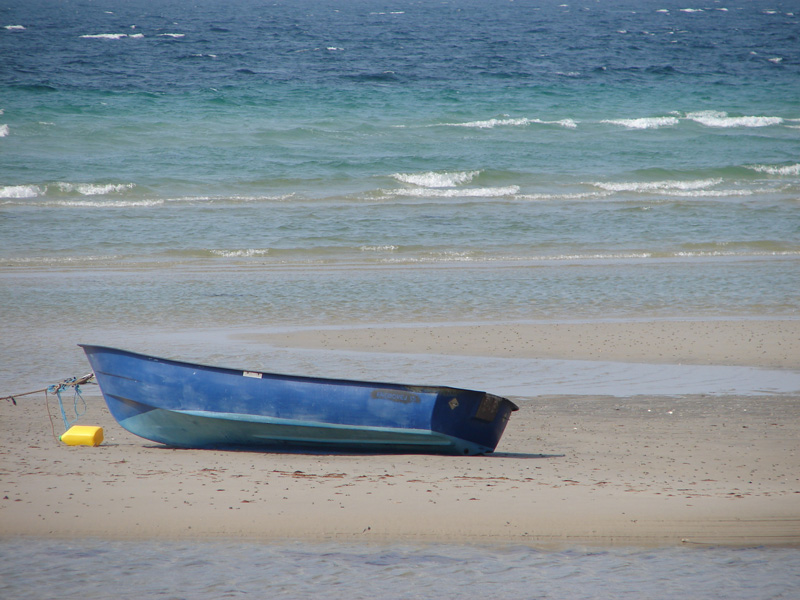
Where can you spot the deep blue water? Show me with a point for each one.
(165, 99)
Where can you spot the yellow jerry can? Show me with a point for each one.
(83, 435)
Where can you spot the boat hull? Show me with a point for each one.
(197, 406)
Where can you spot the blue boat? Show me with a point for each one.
(188, 405)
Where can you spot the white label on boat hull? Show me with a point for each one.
(251, 374)
(396, 396)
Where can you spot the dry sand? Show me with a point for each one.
(569, 470)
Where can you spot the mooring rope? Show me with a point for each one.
(58, 388)
(55, 388)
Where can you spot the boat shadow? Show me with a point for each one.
(525, 455)
(312, 452)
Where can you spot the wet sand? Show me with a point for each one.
(735, 342)
(646, 470)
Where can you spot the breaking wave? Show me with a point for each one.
(60, 188)
(432, 179)
(244, 253)
(20, 191)
(103, 203)
(445, 185)
(497, 192)
(386, 248)
(707, 118)
(111, 36)
(714, 118)
(512, 122)
(657, 186)
(784, 170)
(93, 189)
(644, 123)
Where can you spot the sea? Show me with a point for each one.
(174, 173)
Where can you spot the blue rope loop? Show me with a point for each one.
(57, 388)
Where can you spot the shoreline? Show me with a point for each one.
(647, 470)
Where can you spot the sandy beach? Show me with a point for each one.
(645, 470)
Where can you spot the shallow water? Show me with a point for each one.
(199, 570)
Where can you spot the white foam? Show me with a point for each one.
(15, 27)
(789, 170)
(61, 260)
(4, 131)
(437, 180)
(644, 123)
(713, 118)
(172, 35)
(92, 189)
(568, 123)
(512, 122)
(544, 258)
(389, 248)
(246, 253)
(104, 203)
(104, 36)
(691, 10)
(20, 191)
(458, 193)
(657, 186)
(721, 253)
(491, 123)
(439, 257)
(576, 196)
(708, 193)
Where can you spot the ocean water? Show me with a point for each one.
(249, 165)
(267, 163)
(172, 173)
